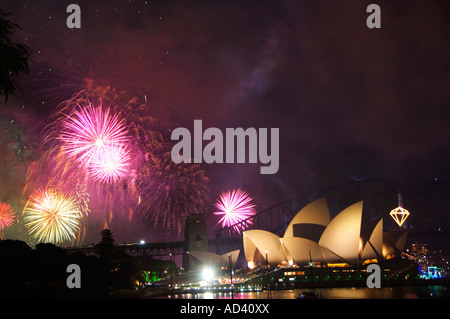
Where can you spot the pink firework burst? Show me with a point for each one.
(97, 140)
(6, 215)
(235, 206)
(111, 164)
(89, 130)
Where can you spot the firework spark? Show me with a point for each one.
(6, 215)
(51, 216)
(235, 207)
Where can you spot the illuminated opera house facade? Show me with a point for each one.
(312, 238)
(315, 250)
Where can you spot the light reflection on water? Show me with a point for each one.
(331, 293)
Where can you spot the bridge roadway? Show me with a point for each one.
(160, 249)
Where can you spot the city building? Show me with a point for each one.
(433, 263)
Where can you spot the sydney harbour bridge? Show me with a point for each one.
(427, 200)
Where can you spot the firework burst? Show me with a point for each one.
(235, 206)
(111, 164)
(6, 215)
(171, 192)
(51, 216)
(97, 140)
(112, 156)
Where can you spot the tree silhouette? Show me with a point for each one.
(121, 270)
(13, 57)
(106, 247)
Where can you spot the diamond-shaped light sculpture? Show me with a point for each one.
(399, 214)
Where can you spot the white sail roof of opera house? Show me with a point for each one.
(372, 240)
(259, 243)
(302, 250)
(312, 237)
(342, 234)
(393, 242)
(315, 213)
(300, 240)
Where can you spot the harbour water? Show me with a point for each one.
(406, 292)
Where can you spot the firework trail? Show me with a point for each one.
(52, 217)
(6, 215)
(235, 206)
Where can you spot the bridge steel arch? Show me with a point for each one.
(427, 200)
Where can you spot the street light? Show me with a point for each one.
(251, 265)
(171, 273)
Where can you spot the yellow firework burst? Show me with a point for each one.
(51, 216)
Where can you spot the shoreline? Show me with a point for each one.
(306, 285)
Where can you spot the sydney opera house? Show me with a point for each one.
(314, 250)
(312, 238)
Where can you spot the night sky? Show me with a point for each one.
(352, 103)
